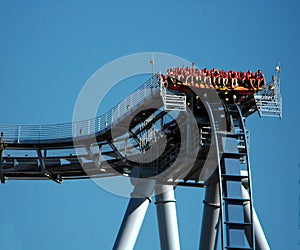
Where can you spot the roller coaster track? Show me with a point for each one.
(87, 149)
(158, 134)
(49, 151)
(234, 178)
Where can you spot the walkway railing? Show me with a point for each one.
(59, 132)
(269, 101)
(172, 101)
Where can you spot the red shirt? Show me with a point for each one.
(232, 74)
(170, 73)
(214, 74)
(248, 75)
(206, 72)
(241, 75)
(224, 74)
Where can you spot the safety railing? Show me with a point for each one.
(172, 101)
(269, 101)
(39, 133)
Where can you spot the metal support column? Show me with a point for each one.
(167, 217)
(261, 242)
(134, 215)
(211, 218)
(2, 147)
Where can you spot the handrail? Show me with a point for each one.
(269, 101)
(15, 133)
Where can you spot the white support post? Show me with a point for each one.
(211, 218)
(99, 122)
(167, 217)
(19, 133)
(134, 215)
(261, 242)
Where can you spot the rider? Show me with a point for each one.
(241, 78)
(232, 76)
(260, 79)
(250, 78)
(215, 77)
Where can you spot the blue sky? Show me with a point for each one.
(48, 49)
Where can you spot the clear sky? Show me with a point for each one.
(48, 49)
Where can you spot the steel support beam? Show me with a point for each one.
(261, 242)
(211, 218)
(117, 152)
(57, 178)
(134, 215)
(42, 161)
(167, 217)
(2, 178)
(94, 159)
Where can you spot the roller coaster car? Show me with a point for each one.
(177, 85)
(245, 91)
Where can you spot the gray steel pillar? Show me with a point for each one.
(261, 242)
(134, 215)
(210, 219)
(167, 217)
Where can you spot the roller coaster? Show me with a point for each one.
(161, 138)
